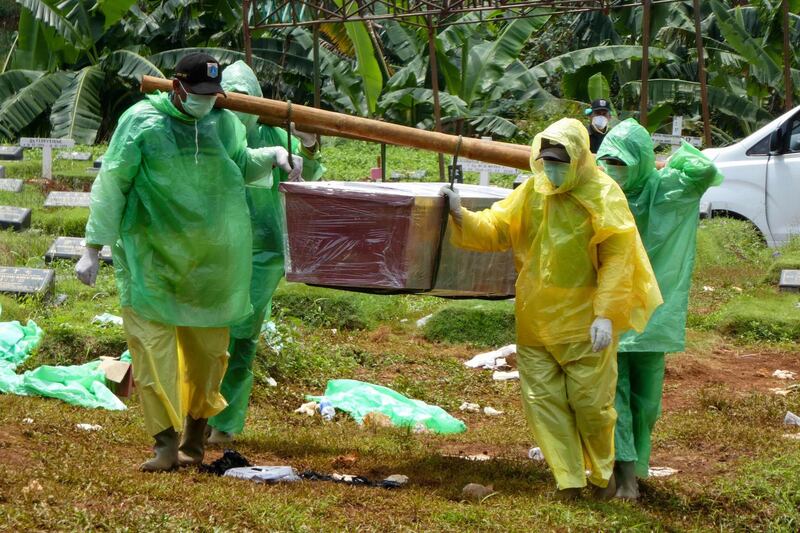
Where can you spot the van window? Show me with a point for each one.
(794, 136)
(761, 147)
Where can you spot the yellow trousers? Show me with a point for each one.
(568, 397)
(177, 370)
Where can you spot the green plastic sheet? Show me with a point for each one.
(82, 385)
(666, 207)
(358, 399)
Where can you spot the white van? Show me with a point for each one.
(762, 179)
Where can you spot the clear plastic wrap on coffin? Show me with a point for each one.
(384, 237)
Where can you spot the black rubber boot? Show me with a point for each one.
(166, 449)
(193, 443)
(607, 492)
(567, 495)
(627, 486)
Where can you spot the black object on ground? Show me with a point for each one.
(230, 459)
(310, 475)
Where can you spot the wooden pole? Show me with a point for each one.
(437, 109)
(643, 96)
(787, 59)
(330, 123)
(701, 74)
(248, 42)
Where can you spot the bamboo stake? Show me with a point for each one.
(341, 125)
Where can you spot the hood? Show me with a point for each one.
(631, 143)
(163, 102)
(240, 78)
(571, 134)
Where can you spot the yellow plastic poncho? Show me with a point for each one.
(576, 248)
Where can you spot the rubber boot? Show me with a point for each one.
(567, 495)
(627, 486)
(166, 449)
(193, 445)
(607, 492)
(219, 437)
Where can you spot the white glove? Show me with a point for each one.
(600, 332)
(454, 203)
(309, 140)
(88, 265)
(282, 161)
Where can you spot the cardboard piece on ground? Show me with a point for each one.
(9, 185)
(118, 374)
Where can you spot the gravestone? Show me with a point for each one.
(75, 156)
(72, 248)
(790, 280)
(47, 145)
(17, 218)
(11, 153)
(67, 199)
(2, 172)
(9, 185)
(21, 281)
(98, 162)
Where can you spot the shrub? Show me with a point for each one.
(770, 317)
(480, 324)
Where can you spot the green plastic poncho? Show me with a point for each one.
(82, 385)
(170, 200)
(266, 220)
(666, 206)
(358, 399)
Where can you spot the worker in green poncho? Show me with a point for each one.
(266, 219)
(170, 200)
(665, 204)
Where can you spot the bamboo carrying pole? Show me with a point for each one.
(341, 125)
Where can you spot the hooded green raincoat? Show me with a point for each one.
(170, 200)
(266, 220)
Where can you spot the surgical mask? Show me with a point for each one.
(556, 172)
(198, 105)
(250, 121)
(618, 173)
(600, 122)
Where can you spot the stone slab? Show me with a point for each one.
(790, 280)
(72, 248)
(75, 156)
(16, 218)
(21, 281)
(67, 199)
(9, 185)
(11, 153)
(2, 172)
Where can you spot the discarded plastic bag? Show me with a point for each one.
(264, 474)
(358, 398)
(783, 374)
(661, 471)
(490, 359)
(505, 376)
(107, 318)
(791, 419)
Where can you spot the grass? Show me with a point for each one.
(721, 426)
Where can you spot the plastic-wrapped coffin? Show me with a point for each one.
(384, 237)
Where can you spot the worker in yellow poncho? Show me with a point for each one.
(584, 278)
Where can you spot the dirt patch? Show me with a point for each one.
(14, 447)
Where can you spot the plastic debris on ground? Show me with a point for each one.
(358, 398)
(792, 436)
(492, 360)
(392, 482)
(308, 409)
(661, 471)
(230, 459)
(264, 474)
(536, 454)
(491, 411)
(470, 407)
(708, 288)
(271, 382)
(82, 385)
(27, 420)
(89, 427)
(107, 318)
(783, 374)
(476, 492)
(424, 320)
(791, 419)
(788, 390)
(499, 375)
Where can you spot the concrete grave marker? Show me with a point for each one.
(8, 185)
(16, 218)
(75, 156)
(470, 165)
(67, 199)
(47, 146)
(675, 139)
(72, 248)
(2, 172)
(790, 280)
(11, 153)
(20, 281)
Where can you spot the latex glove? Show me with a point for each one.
(88, 265)
(282, 161)
(453, 202)
(600, 332)
(309, 140)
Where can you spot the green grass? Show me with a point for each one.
(763, 316)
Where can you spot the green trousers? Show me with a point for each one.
(568, 399)
(638, 404)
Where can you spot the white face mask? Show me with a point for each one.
(618, 173)
(600, 122)
(556, 172)
(198, 105)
